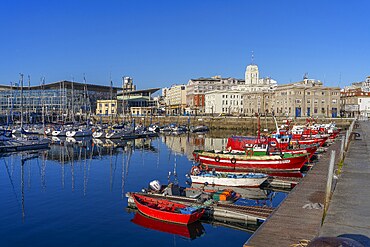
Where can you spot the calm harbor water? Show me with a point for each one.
(74, 194)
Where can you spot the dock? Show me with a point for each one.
(348, 213)
(299, 216)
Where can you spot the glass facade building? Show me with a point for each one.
(59, 98)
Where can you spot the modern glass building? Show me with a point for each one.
(63, 98)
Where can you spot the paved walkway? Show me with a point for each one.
(300, 215)
(349, 210)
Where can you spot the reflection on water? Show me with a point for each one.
(73, 193)
(191, 231)
(186, 144)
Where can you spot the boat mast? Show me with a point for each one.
(29, 99)
(111, 99)
(123, 100)
(21, 100)
(60, 101)
(11, 102)
(258, 127)
(277, 127)
(85, 105)
(43, 103)
(72, 102)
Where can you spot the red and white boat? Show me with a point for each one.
(240, 162)
(166, 210)
(227, 179)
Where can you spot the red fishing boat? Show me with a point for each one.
(166, 210)
(191, 231)
(242, 162)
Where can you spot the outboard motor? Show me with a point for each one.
(155, 185)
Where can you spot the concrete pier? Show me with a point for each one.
(349, 210)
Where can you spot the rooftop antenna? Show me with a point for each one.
(252, 58)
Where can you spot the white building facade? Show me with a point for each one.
(227, 102)
(175, 99)
(355, 99)
(197, 88)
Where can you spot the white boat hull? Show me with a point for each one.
(79, 133)
(98, 134)
(59, 133)
(226, 181)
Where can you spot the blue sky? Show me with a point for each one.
(160, 43)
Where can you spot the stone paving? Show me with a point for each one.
(349, 211)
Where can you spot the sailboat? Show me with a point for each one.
(61, 131)
(101, 132)
(81, 131)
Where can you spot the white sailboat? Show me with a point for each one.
(82, 131)
(79, 132)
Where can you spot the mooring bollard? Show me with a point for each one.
(330, 179)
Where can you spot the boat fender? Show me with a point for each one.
(233, 160)
(195, 170)
(217, 158)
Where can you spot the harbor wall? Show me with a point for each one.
(223, 123)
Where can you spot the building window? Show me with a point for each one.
(323, 110)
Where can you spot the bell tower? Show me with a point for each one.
(251, 73)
